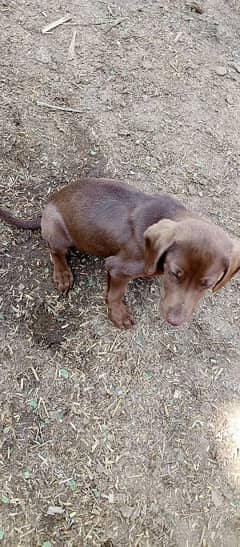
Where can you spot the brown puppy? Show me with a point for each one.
(140, 235)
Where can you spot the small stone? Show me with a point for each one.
(221, 70)
(229, 99)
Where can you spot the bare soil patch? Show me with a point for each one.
(133, 436)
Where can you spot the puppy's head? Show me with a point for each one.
(194, 256)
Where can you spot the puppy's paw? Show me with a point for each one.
(63, 280)
(121, 316)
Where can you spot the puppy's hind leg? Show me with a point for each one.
(58, 239)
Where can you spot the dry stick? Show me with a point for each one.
(71, 49)
(118, 22)
(62, 108)
(110, 11)
(55, 24)
(80, 24)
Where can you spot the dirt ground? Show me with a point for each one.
(125, 438)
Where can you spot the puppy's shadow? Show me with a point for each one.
(90, 272)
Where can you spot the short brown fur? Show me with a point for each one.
(140, 235)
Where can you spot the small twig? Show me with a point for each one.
(174, 68)
(35, 373)
(118, 22)
(55, 24)
(80, 24)
(202, 536)
(71, 49)
(62, 108)
(41, 401)
(110, 11)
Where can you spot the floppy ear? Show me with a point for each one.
(233, 266)
(158, 239)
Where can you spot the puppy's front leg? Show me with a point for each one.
(121, 269)
(118, 312)
(62, 274)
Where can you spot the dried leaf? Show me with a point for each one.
(33, 404)
(5, 499)
(63, 372)
(96, 493)
(72, 485)
(27, 475)
(148, 375)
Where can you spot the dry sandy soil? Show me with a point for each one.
(133, 436)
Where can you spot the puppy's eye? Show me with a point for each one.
(176, 273)
(206, 283)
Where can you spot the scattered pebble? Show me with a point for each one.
(229, 99)
(221, 70)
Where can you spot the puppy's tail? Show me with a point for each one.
(5, 216)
